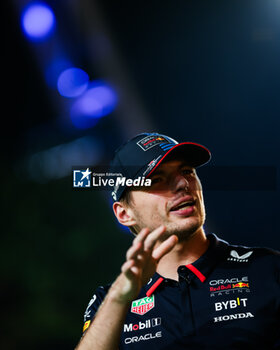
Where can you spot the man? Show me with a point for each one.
(180, 288)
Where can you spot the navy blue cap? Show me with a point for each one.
(142, 154)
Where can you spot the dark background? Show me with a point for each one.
(204, 71)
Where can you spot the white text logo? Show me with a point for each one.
(228, 280)
(240, 258)
(142, 325)
(147, 336)
(230, 304)
(233, 317)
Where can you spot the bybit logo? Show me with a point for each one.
(231, 304)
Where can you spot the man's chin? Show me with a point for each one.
(185, 230)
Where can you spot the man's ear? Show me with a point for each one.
(124, 214)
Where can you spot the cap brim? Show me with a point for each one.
(194, 154)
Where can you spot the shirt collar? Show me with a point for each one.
(201, 268)
(216, 252)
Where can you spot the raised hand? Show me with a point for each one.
(141, 262)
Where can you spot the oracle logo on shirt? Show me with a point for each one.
(228, 280)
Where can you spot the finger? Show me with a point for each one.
(153, 237)
(141, 235)
(130, 269)
(165, 247)
(127, 265)
(134, 250)
(137, 245)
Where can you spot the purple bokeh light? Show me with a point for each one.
(98, 101)
(38, 21)
(72, 82)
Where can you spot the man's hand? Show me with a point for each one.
(141, 262)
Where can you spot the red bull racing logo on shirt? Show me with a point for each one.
(229, 286)
(142, 306)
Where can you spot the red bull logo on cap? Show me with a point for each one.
(152, 140)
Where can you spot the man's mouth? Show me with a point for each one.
(183, 205)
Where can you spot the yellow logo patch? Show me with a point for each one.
(86, 325)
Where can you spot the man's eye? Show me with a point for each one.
(156, 180)
(187, 171)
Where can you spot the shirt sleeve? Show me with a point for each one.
(93, 305)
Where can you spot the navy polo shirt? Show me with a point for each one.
(227, 299)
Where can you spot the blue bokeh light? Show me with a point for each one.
(98, 101)
(55, 68)
(72, 82)
(38, 21)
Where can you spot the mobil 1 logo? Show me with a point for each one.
(150, 323)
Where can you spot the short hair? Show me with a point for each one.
(126, 197)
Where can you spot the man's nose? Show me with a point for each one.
(179, 183)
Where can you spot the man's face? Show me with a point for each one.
(175, 200)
